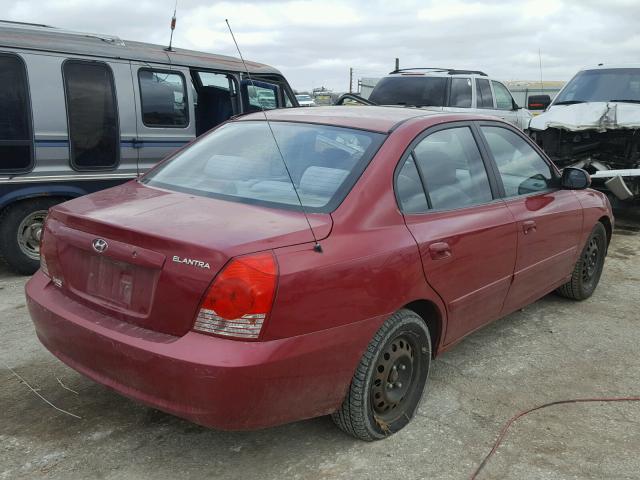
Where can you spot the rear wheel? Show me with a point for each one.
(586, 274)
(20, 230)
(389, 382)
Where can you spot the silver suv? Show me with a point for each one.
(450, 90)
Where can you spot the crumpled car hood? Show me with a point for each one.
(600, 116)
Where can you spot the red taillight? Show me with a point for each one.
(240, 298)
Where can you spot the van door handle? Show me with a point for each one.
(528, 226)
(439, 250)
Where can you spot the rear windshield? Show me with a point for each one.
(602, 85)
(413, 91)
(240, 161)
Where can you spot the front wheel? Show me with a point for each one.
(21, 226)
(388, 384)
(588, 269)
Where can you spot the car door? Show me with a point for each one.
(465, 233)
(166, 117)
(549, 219)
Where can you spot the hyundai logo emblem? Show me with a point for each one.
(99, 245)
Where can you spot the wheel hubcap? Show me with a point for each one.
(30, 232)
(590, 260)
(394, 377)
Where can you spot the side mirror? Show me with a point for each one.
(575, 179)
(538, 102)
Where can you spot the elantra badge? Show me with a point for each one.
(99, 245)
(191, 261)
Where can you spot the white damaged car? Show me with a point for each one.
(594, 123)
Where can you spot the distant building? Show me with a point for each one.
(523, 89)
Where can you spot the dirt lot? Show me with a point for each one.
(553, 350)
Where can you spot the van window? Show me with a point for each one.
(16, 141)
(213, 99)
(163, 97)
(94, 134)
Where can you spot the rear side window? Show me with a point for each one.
(503, 97)
(522, 169)
(419, 91)
(163, 95)
(452, 169)
(409, 188)
(485, 99)
(94, 135)
(460, 95)
(16, 141)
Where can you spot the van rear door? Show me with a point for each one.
(165, 113)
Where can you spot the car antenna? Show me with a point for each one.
(316, 247)
(173, 26)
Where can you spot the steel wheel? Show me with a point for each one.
(394, 379)
(590, 260)
(588, 269)
(29, 233)
(390, 379)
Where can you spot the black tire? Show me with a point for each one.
(586, 274)
(19, 247)
(377, 403)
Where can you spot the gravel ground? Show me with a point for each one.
(552, 350)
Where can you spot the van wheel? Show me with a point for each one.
(389, 382)
(20, 229)
(586, 273)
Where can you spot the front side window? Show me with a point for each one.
(415, 91)
(16, 142)
(94, 135)
(241, 162)
(460, 95)
(503, 97)
(163, 96)
(483, 89)
(452, 169)
(522, 169)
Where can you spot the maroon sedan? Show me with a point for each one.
(199, 289)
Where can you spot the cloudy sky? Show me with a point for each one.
(315, 42)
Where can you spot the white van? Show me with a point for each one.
(82, 112)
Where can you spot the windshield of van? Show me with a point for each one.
(418, 91)
(240, 161)
(602, 85)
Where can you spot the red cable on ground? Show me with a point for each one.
(507, 425)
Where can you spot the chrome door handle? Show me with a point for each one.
(528, 226)
(439, 250)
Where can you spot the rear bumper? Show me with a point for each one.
(220, 383)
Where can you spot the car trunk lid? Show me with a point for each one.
(147, 256)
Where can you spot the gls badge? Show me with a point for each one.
(191, 261)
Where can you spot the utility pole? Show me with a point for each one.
(397, 64)
(350, 79)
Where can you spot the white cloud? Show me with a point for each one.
(315, 42)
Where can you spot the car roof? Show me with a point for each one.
(50, 39)
(377, 119)
(617, 66)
